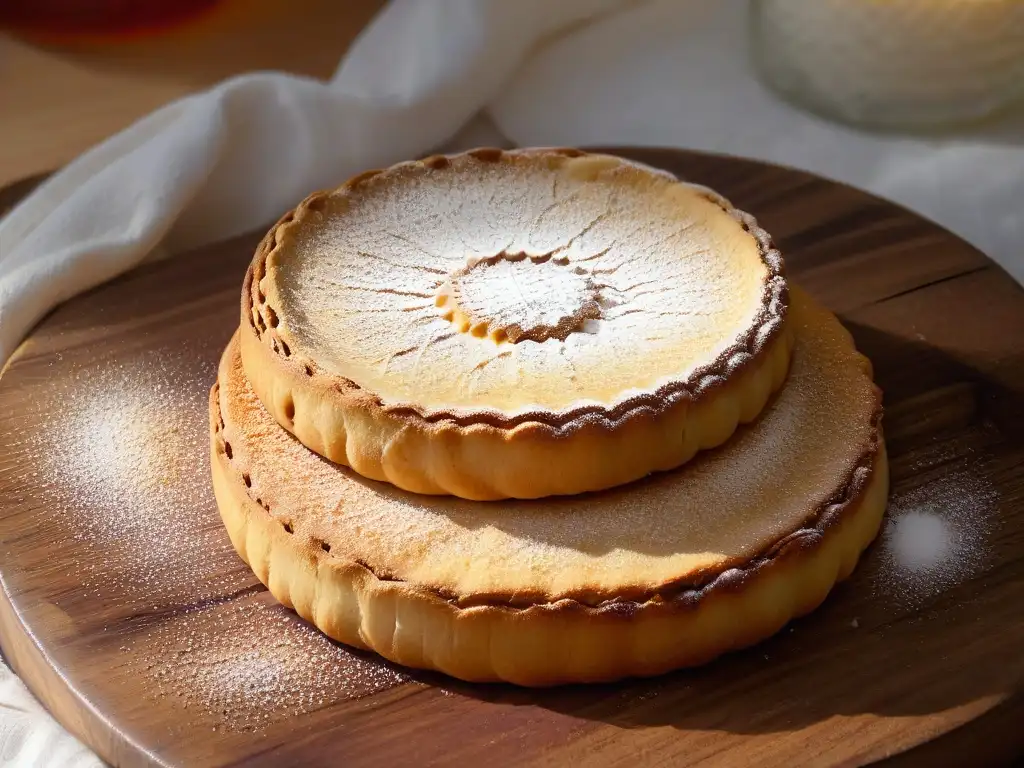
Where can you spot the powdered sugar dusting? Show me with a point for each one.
(126, 459)
(667, 286)
(921, 540)
(936, 534)
(516, 297)
(244, 665)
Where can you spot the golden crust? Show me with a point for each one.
(551, 643)
(673, 529)
(543, 641)
(486, 453)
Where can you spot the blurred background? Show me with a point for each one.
(903, 98)
(76, 71)
(73, 72)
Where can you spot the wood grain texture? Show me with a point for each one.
(126, 610)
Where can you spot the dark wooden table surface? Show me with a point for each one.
(125, 609)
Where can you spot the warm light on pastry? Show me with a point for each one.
(637, 580)
(514, 324)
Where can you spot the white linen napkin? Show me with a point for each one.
(29, 737)
(573, 72)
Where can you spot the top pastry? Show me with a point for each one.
(514, 324)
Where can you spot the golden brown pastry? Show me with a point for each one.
(636, 580)
(514, 324)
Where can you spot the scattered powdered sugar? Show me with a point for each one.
(519, 297)
(921, 540)
(936, 534)
(126, 461)
(251, 662)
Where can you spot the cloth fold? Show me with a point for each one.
(575, 72)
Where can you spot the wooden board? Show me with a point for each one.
(127, 612)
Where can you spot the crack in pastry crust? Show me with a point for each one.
(262, 318)
(488, 453)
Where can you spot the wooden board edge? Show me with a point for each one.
(992, 738)
(64, 703)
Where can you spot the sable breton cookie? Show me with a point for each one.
(636, 580)
(514, 324)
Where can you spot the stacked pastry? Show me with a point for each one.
(540, 416)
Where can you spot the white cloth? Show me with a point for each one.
(29, 737)
(573, 72)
